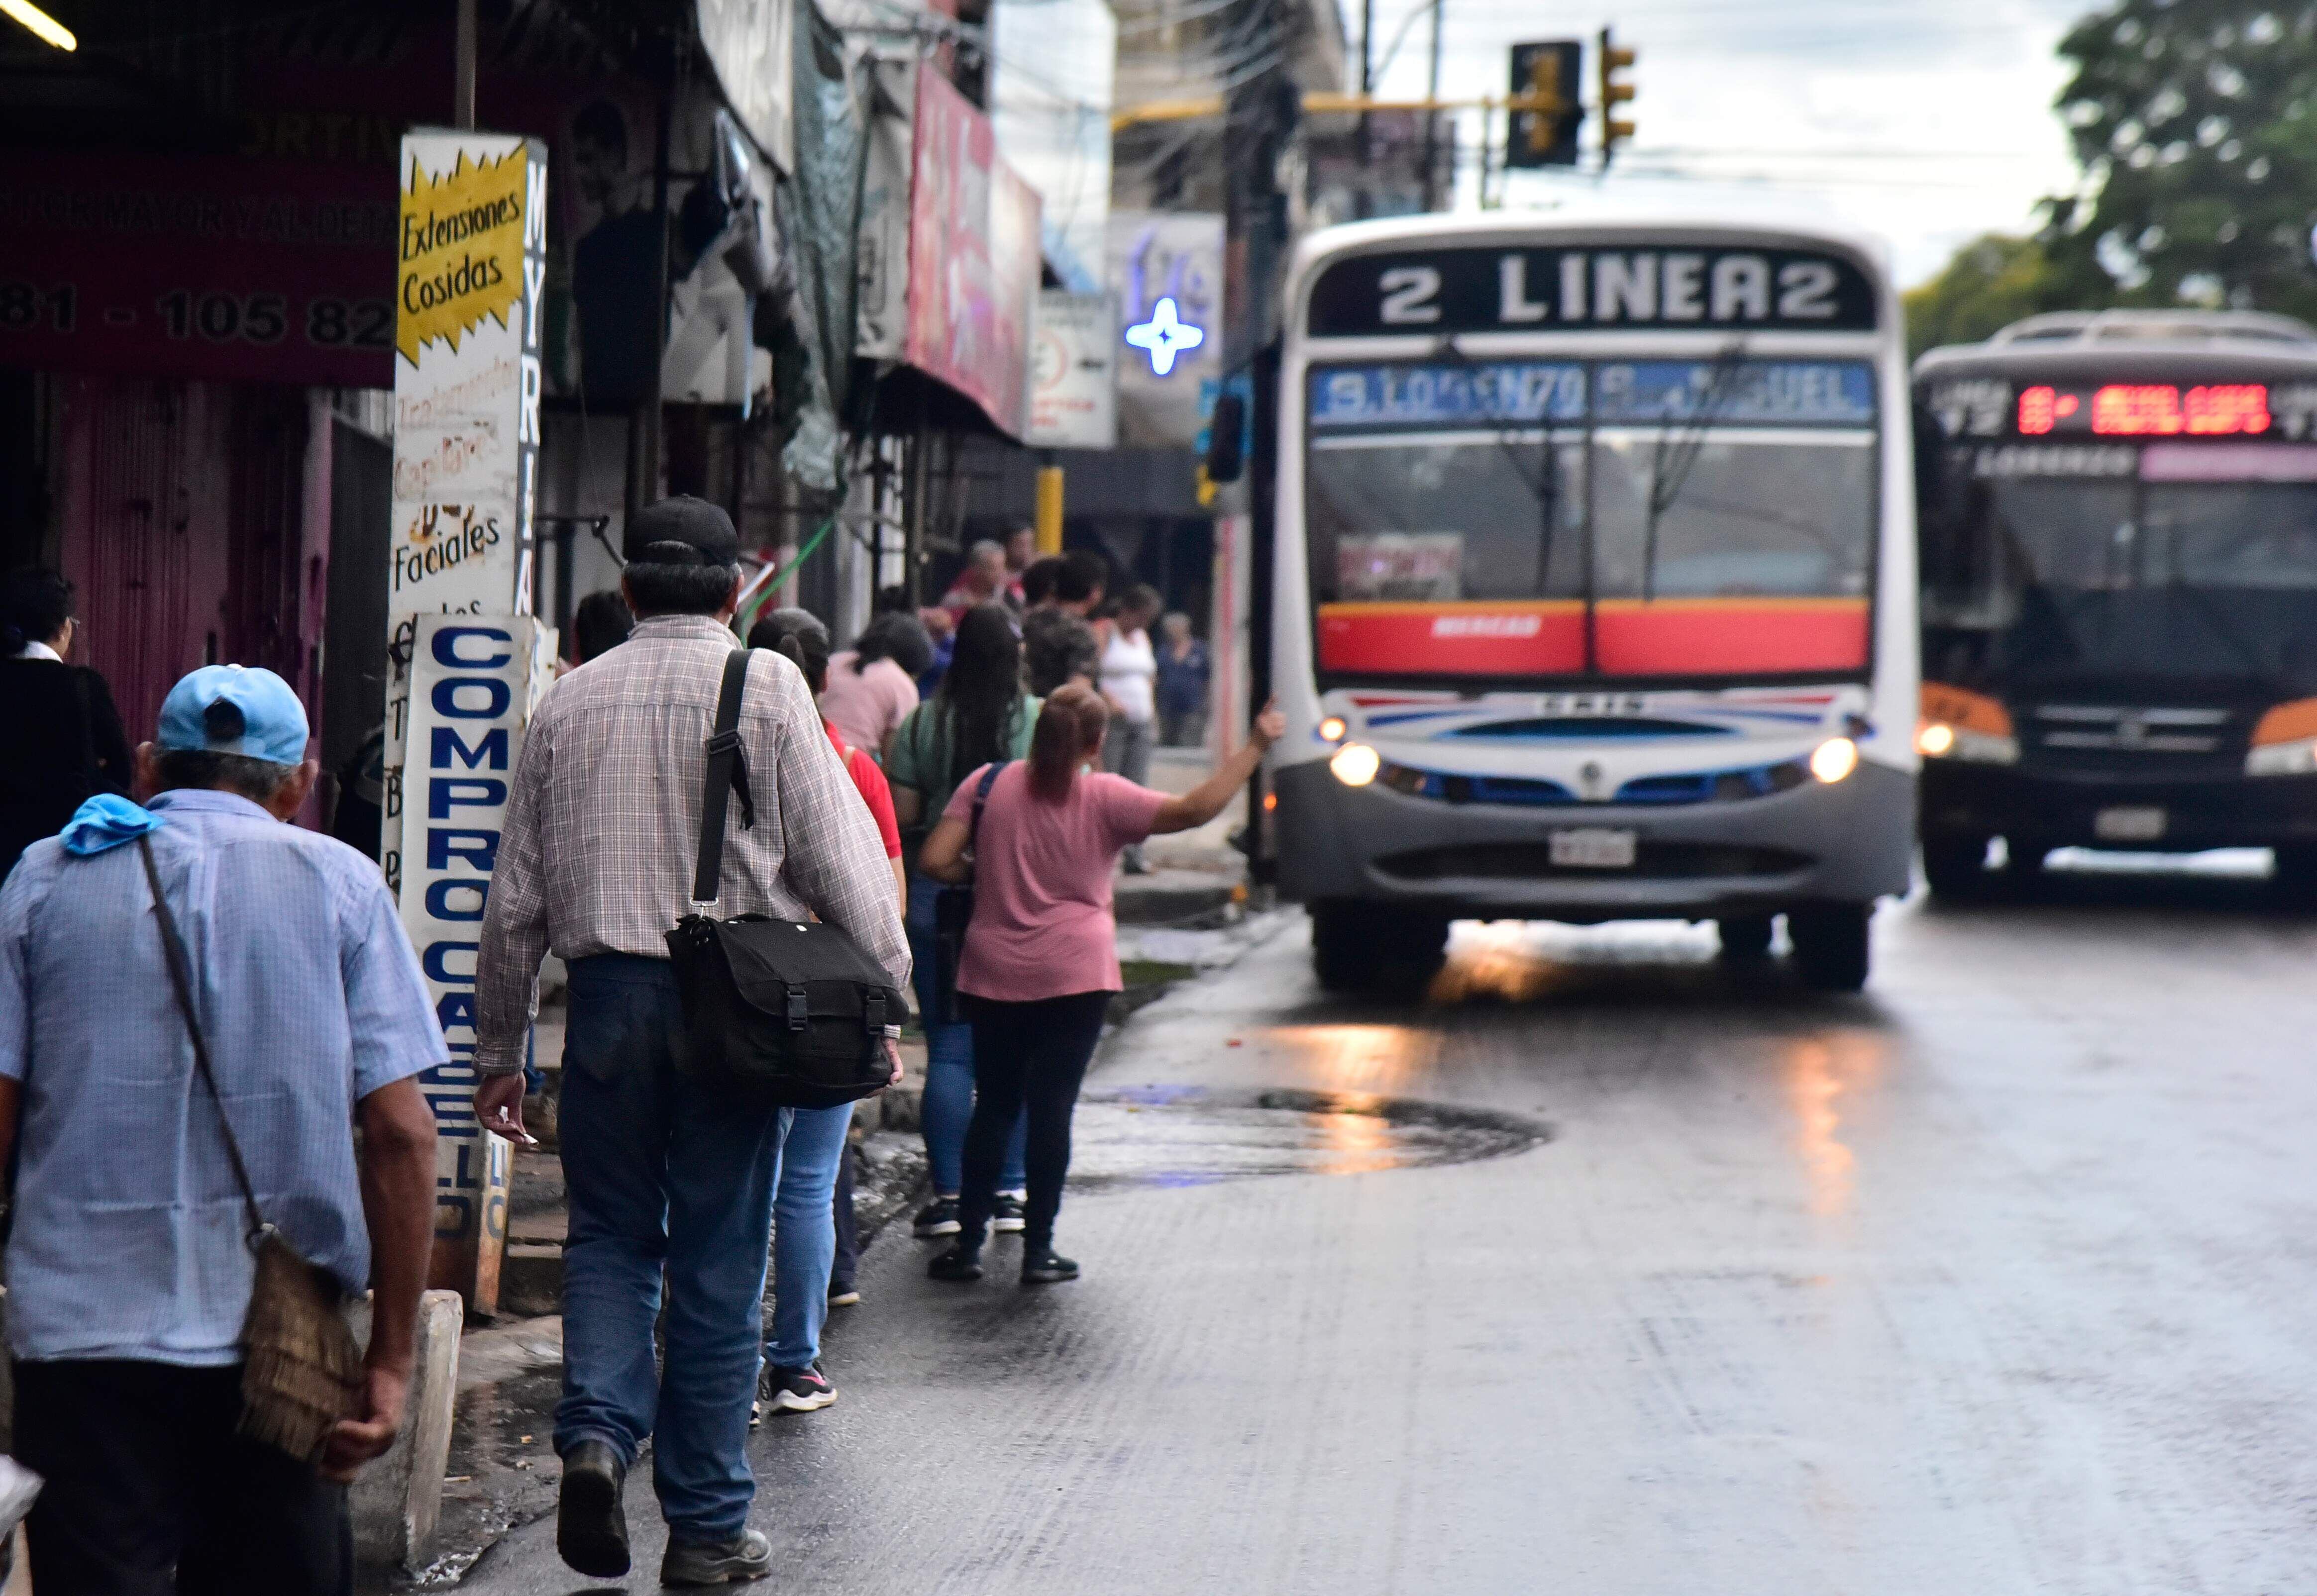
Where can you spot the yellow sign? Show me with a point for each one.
(462, 256)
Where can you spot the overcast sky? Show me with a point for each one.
(1927, 121)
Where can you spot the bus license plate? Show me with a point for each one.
(1595, 848)
(2129, 824)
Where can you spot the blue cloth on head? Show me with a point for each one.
(272, 722)
(105, 821)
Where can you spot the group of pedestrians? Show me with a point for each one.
(152, 1117)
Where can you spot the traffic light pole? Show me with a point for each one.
(1432, 118)
(1261, 114)
(1361, 194)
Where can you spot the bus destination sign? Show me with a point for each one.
(2145, 409)
(2207, 404)
(1739, 392)
(1428, 395)
(1473, 289)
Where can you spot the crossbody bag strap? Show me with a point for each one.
(980, 797)
(727, 768)
(180, 978)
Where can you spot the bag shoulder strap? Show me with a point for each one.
(180, 978)
(980, 797)
(728, 769)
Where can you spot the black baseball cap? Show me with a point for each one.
(682, 531)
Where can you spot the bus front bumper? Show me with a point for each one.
(1850, 842)
(2051, 809)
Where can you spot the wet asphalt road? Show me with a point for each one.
(1995, 1279)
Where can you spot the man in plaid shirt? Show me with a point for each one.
(595, 862)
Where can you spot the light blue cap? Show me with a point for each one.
(270, 723)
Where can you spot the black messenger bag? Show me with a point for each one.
(775, 1011)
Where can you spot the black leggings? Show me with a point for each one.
(1032, 1055)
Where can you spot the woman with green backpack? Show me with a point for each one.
(980, 716)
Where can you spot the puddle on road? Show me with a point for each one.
(1163, 1136)
(504, 1473)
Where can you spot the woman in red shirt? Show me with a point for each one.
(1041, 956)
(808, 641)
(809, 1276)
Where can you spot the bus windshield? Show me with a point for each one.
(2199, 562)
(1552, 489)
(1452, 515)
(1755, 514)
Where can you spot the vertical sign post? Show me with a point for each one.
(471, 264)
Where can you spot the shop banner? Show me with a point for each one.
(471, 264)
(198, 266)
(1167, 277)
(472, 247)
(973, 257)
(474, 681)
(1073, 373)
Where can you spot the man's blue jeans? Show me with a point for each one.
(947, 1107)
(662, 1176)
(804, 1231)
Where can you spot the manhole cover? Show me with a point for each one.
(1169, 1136)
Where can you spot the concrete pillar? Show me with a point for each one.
(397, 1500)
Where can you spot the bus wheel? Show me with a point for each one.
(1955, 866)
(1745, 938)
(1343, 955)
(2295, 874)
(1830, 945)
(2026, 858)
(1358, 947)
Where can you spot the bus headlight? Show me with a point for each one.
(1356, 764)
(1834, 759)
(2285, 741)
(1935, 739)
(2284, 759)
(1331, 730)
(1970, 727)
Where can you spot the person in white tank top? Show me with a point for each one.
(1130, 680)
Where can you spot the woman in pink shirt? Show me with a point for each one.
(1041, 956)
(873, 685)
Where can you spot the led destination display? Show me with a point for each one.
(2145, 410)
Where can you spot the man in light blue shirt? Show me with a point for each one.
(128, 1268)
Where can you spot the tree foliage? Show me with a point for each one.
(1991, 282)
(2196, 121)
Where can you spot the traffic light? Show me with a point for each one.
(1545, 80)
(1614, 129)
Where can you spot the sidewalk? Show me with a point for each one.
(502, 1471)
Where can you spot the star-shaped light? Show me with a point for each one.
(1164, 335)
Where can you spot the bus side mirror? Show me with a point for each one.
(1226, 437)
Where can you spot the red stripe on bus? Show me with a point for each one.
(1667, 637)
(1730, 637)
(1452, 640)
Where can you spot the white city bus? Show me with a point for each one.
(1594, 591)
